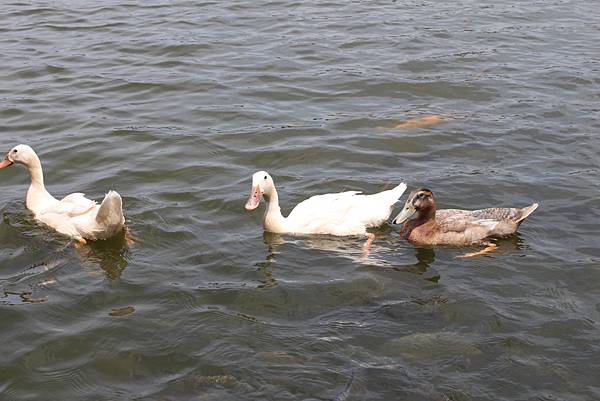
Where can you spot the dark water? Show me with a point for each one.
(175, 105)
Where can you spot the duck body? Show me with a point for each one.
(74, 215)
(344, 213)
(423, 224)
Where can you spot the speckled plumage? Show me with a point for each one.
(423, 224)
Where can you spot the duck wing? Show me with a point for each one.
(73, 205)
(465, 227)
(344, 213)
(326, 213)
(478, 224)
(513, 214)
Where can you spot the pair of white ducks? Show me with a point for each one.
(344, 213)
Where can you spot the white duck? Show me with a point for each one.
(344, 213)
(75, 215)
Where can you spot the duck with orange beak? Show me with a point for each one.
(6, 161)
(75, 216)
(343, 213)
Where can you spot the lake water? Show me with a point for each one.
(176, 104)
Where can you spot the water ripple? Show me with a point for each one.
(176, 104)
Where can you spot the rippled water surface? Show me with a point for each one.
(175, 105)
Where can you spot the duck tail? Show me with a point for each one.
(110, 213)
(526, 211)
(397, 192)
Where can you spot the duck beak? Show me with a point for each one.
(5, 162)
(254, 198)
(408, 212)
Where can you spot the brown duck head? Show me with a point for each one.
(418, 209)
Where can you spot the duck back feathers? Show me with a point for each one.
(456, 226)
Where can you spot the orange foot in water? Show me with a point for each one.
(129, 238)
(77, 242)
(489, 247)
(366, 248)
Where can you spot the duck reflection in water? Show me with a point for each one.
(351, 248)
(425, 255)
(30, 285)
(348, 247)
(109, 255)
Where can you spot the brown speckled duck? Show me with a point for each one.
(425, 225)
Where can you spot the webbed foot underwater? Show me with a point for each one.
(423, 224)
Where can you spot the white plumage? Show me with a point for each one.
(74, 215)
(344, 213)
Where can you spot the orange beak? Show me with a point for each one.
(254, 198)
(5, 162)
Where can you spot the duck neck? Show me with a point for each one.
(37, 194)
(273, 220)
(425, 216)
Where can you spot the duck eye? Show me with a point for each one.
(265, 177)
(14, 150)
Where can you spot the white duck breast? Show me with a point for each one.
(74, 215)
(344, 213)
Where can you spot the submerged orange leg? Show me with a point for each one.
(129, 238)
(488, 248)
(366, 248)
(79, 241)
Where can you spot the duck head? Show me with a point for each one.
(420, 204)
(22, 154)
(262, 185)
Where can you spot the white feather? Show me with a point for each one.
(74, 215)
(343, 213)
